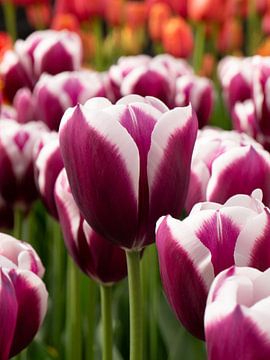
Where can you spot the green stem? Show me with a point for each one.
(153, 299)
(10, 18)
(199, 46)
(58, 291)
(18, 224)
(106, 315)
(135, 304)
(73, 315)
(90, 308)
(253, 28)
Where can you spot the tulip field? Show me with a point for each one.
(135, 180)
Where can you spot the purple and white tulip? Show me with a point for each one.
(235, 75)
(147, 76)
(23, 295)
(17, 183)
(237, 315)
(198, 91)
(51, 51)
(95, 256)
(212, 238)
(54, 94)
(128, 164)
(48, 164)
(226, 163)
(15, 74)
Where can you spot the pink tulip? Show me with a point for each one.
(237, 315)
(23, 104)
(127, 164)
(212, 238)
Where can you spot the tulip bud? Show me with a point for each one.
(95, 256)
(212, 238)
(23, 296)
(151, 149)
(238, 307)
(177, 37)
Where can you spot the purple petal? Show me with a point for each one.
(97, 257)
(168, 164)
(239, 171)
(106, 195)
(186, 272)
(253, 243)
(8, 314)
(32, 305)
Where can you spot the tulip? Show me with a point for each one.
(238, 307)
(158, 16)
(177, 37)
(212, 238)
(14, 74)
(205, 10)
(199, 92)
(23, 104)
(17, 185)
(95, 256)
(244, 119)
(82, 9)
(230, 36)
(23, 296)
(54, 94)
(128, 220)
(224, 164)
(235, 76)
(147, 151)
(123, 67)
(135, 14)
(114, 12)
(51, 51)
(48, 165)
(5, 43)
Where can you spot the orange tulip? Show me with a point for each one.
(264, 49)
(82, 9)
(177, 37)
(230, 36)
(200, 10)
(132, 40)
(158, 16)
(39, 15)
(114, 12)
(135, 13)
(65, 22)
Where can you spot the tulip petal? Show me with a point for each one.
(240, 170)
(168, 164)
(253, 241)
(106, 195)
(218, 230)
(8, 314)
(32, 305)
(186, 272)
